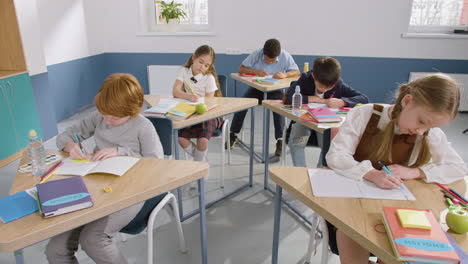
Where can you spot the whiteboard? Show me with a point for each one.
(461, 79)
(161, 78)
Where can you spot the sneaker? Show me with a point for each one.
(279, 147)
(232, 140)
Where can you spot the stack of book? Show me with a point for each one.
(324, 115)
(416, 236)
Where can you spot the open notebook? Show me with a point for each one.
(327, 183)
(115, 165)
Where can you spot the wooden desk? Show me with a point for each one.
(265, 88)
(227, 106)
(357, 217)
(146, 179)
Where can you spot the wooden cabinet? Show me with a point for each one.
(18, 113)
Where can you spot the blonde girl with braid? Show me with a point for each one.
(404, 136)
(198, 78)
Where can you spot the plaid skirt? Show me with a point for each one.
(203, 130)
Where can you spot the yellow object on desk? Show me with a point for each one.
(413, 219)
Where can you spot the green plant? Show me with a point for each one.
(171, 11)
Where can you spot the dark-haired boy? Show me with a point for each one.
(269, 60)
(320, 85)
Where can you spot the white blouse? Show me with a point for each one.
(205, 83)
(446, 165)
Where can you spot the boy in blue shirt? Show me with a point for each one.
(320, 85)
(269, 60)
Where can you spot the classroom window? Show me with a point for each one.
(438, 16)
(197, 19)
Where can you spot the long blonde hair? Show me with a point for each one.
(438, 93)
(206, 50)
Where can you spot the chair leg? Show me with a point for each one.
(228, 139)
(168, 198)
(310, 248)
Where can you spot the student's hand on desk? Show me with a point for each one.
(261, 73)
(279, 75)
(192, 97)
(75, 152)
(105, 154)
(382, 179)
(403, 172)
(335, 103)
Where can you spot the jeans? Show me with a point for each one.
(239, 117)
(298, 141)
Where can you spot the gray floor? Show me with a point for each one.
(239, 229)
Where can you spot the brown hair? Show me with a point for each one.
(206, 50)
(437, 93)
(327, 70)
(272, 48)
(120, 95)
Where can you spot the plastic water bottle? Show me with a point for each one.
(36, 153)
(297, 101)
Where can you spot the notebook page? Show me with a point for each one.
(327, 183)
(371, 191)
(71, 167)
(115, 165)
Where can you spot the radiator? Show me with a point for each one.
(461, 79)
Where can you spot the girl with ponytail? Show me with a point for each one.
(405, 137)
(196, 79)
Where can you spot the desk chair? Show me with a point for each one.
(145, 218)
(317, 220)
(222, 132)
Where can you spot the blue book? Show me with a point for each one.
(16, 206)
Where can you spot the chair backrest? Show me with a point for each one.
(164, 129)
(328, 136)
(223, 84)
(161, 78)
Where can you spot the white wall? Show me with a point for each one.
(63, 29)
(28, 21)
(370, 28)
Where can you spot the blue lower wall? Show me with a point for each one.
(72, 85)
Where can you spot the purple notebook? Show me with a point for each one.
(63, 196)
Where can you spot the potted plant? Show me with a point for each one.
(171, 13)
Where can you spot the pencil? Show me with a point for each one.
(52, 173)
(190, 87)
(453, 197)
(49, 170)
(459, 195)
(391, 174)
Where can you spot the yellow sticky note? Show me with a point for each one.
(80, 161)
(413, 219)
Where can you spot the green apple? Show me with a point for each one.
(201, 109)
(457, 220)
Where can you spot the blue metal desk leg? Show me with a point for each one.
(266, 146)
(175, 140)
(252, 145)
(265, 128)
(19, 258)
(276, 225)
(201, 205)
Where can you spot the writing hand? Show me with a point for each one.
(104, 154)
(279, 75)
(335, 103)
(193, 97)
(382, 179)
(261, 73)
(403, 172)
(75, 151)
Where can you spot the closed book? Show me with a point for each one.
(324, 115)
(181, 111)
(416, 244)
(63, 196)
(17, 205)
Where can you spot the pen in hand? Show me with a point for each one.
(77, 140)
(385, 168)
